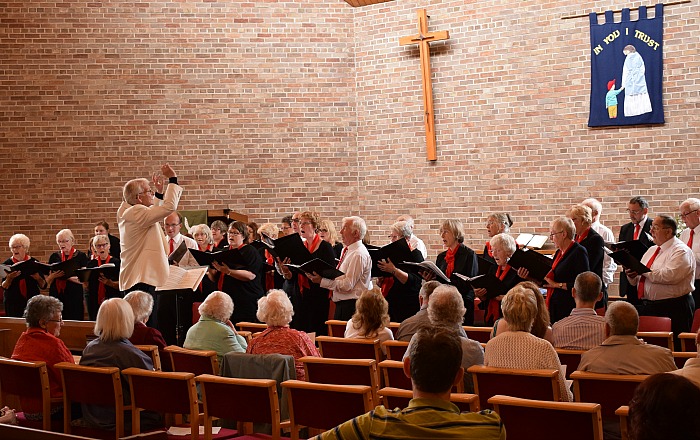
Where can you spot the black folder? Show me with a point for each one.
(635, 247)
(398, 251)
(484, 265)
(178, 253)
(69, 267)
(625, 258)
(289, 246)
(230, 257)
(109, 270)
(537, 264)
(490, 282)
(319, 266)
(29, 267)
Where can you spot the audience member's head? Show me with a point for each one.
(371, 313)
(115, 320)
(141, 303)
(275, 309)
(587, 288)
(519, 308)
(217, 305)
(621, 319)
(665, 406)
(435, 359)
(43, 311)
(426, 290)
(446, 306)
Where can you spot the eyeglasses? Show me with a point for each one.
(295, 220)
(552, 234)
(325, 231)
(172, 225)
(688, 213)
(657, 227)
(149, 192)
(63, 241)
(17, 246)
(101, 245)
(284, 228)
(634, 211)
(60, 320)
(304, 223)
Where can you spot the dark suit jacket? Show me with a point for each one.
(594, 246)
(574, 262)
(465, 264)
(627, 234)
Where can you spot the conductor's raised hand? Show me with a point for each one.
(167, 171)
(158, 182)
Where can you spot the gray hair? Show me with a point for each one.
(141, 303)
(692, 203)
(269, 229)
(132, 189)
(408, 219)
(455, 227)
(357, 224)
(202, 229)
(20, 239)
(402, 229)
(275, 309)
(567, 225)
(505, 241)
(65, 233)
(639, 200)
(502, 218)
(217, 305)
(115, 320)
(446, 306)
(622, 318)
(428, 288)
(595, 205)
(519, 308)
(100, 238)
(41, 308)
(588, 286)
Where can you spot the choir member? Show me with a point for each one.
(497, 223)
(99, 287)
(218, 234)
(415, 242)
(272, 279)
(18, 287)
(203, 236)
(586, 236)
(68, 290)
(102, 228)
(253, 232)
(327, 231)
(286, 225)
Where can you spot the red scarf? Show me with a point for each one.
(270, 274)
(303, 279)
(22, 281)
(489, 251)
(61, 284)
(580, 238)
(560, 255)
(208, 248)
(220, 284)
(218, 244)
(450, 260)
(493, 310)
(101, 290)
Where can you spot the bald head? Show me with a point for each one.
(587, 289)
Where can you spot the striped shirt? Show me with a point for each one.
(422, 419)
(582, 330)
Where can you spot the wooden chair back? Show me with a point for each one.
(479, 334)
(393, 375)
(688, 340)
(394, 327)
(609, 390)
(344, 348)
(324, 406)
(153, 353)
(27, 380)
(623, 412)
(570, 358)
(343, 372)
(680, 357)
(193, 361)
(14, 432)
(399, 398)
(93, 386)
(336, 328)
(527, 384)
(660, 338)
(172, 393)
(545, 420)
(654, 324)
(252, 327)
(255, 401)
(395, 349)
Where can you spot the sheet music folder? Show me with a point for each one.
(319, 266)
(624, 258)
(397, 252)
(109, 270)
(635, 247)
(230, 257)
(27, 267)
(290, 246)
(494, 287)
(180, 278)
(537, 264)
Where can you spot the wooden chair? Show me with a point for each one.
(27, 380)
(342, 348)
(654, 324)
(323, 406)
(399, 398)
(609, 390)
(152, 351)
(395, 349)
(688, 340)
(193, 361)
(247, 335)
(660, 338)
(623, 412)
(526, 419)
(255, 401)
(570, 358)
(14, 432)
(336, 328)
(393, 375)
(680, 357)
(94, 386)
(479, 334)
(527, 384)
(252, 327)
(394, 327)
(343, 372)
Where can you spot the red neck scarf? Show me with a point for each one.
(22, 281)
(580, 238)
(270, 274)
(493, 310)
(101, 289)
(301, 278)
(557, 259)
(450, 260)
(61, 284)
(489, 251)
(208, 248)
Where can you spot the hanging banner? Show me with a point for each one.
(627, 69)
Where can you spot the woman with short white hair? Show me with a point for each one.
(276, 311)
(19, 287)
(68, 290)
(214, 330)
(99, 286)
(496, 223)
(202, 235)
(517, 347)
(142, 305)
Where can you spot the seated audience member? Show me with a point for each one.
(40, 343)
(276, 311)
(99, 287)
(19, 287)
(691, 368)
(446, 309)
(411, 325)
(517, 347)
(665, 406)
(371, 318)
(622, 352)
(501, 248)
(214, 330)
(433, 364)
(584, 328)
(112, 348)
(142, 305)
(540, 327)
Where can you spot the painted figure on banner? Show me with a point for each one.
(611, 99)
(637, 100)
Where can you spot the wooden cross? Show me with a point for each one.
(423, 40)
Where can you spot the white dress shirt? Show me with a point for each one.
(672, 273)
(609, 265)
(417, 243)
(357, 267)
(187, 260)
(685, 236)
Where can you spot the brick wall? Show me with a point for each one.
(266, 107)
